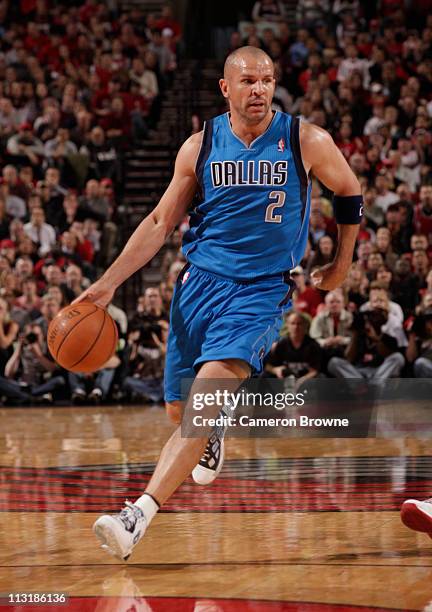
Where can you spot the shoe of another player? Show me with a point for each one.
(210, 464)
(119, 533)
(417, 515)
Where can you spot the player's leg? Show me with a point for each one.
(417, 515)
(174, 411)
(233, 332)
(180, 455)
(120, 533)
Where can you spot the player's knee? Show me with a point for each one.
(238, 367)
(174, 411)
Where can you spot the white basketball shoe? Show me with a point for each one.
(417, 515)
(210, 464)
(119, 533)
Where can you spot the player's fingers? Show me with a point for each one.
(86, 296)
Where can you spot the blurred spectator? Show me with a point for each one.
(49, 309)
(311, 13)
(423, 212)
(405, 287)
(420, 266)
(297, 354)
(15, 206)
(306, 298)
(371, 352)
(383, 243)
(96, 205)
(355, 287)
(58, 149)
(41, 233)
(25, 148)
(145, 358)
(103, 157)
(70, 212)
(145, 78)
(384, 197)
(74, 280)
(117, 123)
(10, 119)
(379, 300)
(27, 306)
(400, 234)
(30, 372)
(353, 64)
(8, 333)
(374, 261)
(419, 351)
(331, 326)
(93, 388)
(324, 253)
(167, 21)
(149, 311)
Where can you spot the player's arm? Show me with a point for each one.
(152, 232)
(322, 157)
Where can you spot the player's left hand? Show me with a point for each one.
(329, 277)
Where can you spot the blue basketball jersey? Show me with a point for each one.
(254, 202)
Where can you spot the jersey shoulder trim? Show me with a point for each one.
(204, 153)
(296, 150)
(298, 162)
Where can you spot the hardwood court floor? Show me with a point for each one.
(300, 525)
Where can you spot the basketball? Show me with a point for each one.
(82, 337)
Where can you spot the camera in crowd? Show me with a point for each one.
(30, 338)
(146, 329)
(376, 318)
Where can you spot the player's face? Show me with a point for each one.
(249, 87)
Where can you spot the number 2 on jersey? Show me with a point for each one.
(277, 200)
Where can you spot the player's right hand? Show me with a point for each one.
(100, 293)
(329, 277)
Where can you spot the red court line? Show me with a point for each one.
(223, 483)
(218, 488)
(207, 497)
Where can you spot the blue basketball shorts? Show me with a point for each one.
(214, 318)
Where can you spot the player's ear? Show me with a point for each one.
(224, 87)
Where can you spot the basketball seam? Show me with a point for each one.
(73, 327)
(94, 342)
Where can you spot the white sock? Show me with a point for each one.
(148, 505)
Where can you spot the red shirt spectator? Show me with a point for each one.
(35, 40)
(167, 21)
(306, 299)
(117, 122)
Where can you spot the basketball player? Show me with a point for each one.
(417, 515)
(250, 169)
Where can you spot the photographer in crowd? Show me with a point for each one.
(145, 361)
(371, 353)
(30, 373)
(297, 354)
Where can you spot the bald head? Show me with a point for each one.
(239, 59)
(248, 85)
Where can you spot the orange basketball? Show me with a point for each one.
(82, 337)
